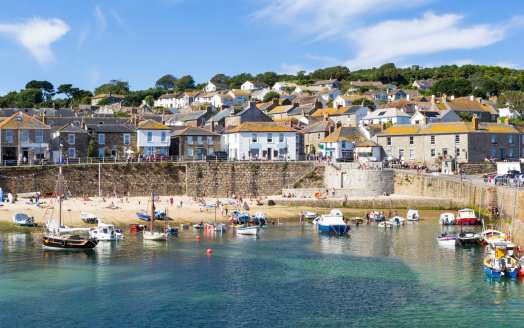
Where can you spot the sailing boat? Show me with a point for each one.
(104, 231)
(152, 235)
(56, 234)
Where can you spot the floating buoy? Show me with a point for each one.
(198, 237)
(209, 251)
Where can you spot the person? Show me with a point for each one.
(25, 160)
(333, 193)
(389, 214)
(180, 204)
(225, 208)
(367, 217)
(171, 201)
(301, 218)
(222, 210)
(273, 222)
(396, 213)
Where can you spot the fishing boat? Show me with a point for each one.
(248, 230)
(469, 238)
(152, 234)
(310, 215)
(413, 215)
(446, 240)
(184, 225)
(136, 227)
(466, 217)
(501, 263)
(88, 218)
(447, 219)
(214, 226)
(198, 226)
(397, 220)
(333, 223)
(240, 218)
(143, 215)
(492, 234)
(22, 219)
(259, 217)
(60, 236)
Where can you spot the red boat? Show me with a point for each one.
(466, 216)
(136, 227)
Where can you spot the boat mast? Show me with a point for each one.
(99, 188)
(152, 214)
(60, 198)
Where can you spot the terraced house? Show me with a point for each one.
(463, 141)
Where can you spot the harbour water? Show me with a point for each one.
(289, 276)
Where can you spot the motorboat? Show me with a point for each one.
(447, 219)
(106, 232)
(214, 226)
(238, 217)
(254, 230)
(136, 227)
(466, 217)
(397, 220)
(501, 263)
(143, 216)
(259, 217)
(198, 226)
(447, 240)
(170, 230)
(22, 219)
(357, 220)
(469, 238)
(491, 234)
(386, 224)
(333, 223)
(310, 215)
(184, 225)
(376, 216)
(88, 218)
(413, 215)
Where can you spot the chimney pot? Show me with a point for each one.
(433, 99)
(475, 122)
(211, 126)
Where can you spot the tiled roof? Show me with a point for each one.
(169, 96)
(318, 127)
(21, 120)
(102, 95)
(72, 128)
(455, 127)
(465, 105)
(152, 125)
(239, 92)
(347, 110)
(259, 84)
(261, 127)
(347, 133)
(321, 112)
(194, 131)
(280, 109)
(361, 83)
(368, 143)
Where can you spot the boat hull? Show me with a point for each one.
(248, 231)
(154, 236)
(334, 229)
(65, 243)
(466, 221)
(136, 227)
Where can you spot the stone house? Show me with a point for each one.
(463, 141)
(74, 140)
(23, 136)
(112, 98)
(387, 115)
(114, 140)
(193, 143)
(483, 111)
(233, 116)
(314, 133)
(196, 118)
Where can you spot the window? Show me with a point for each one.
(127, 139)
(270, 137)
(432, 152)
(163, 151)
(71, 153)
(150, 137)
(164, 137)
(457, 152)
(432, 140)
(209, 140)
(493, 152)
(457, 138)
(190, 140)
(412, 153)
(210, 151)
(280, 137)
(254, 137)
(101, 140)
(511, 139)
(9, 136)
(25, 136)
(318, 136)
(493, 138)
(199, 140)
(510, 152)
(71, 139)
(388, 141)
(411, 140)
(190, 152)
(343, 143)
(297, 139)
(40, 136)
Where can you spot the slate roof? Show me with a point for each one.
(385, 112)
(72, 128)
(169, 95)
(189, 116)
(465, 105)
(307, 110)
(378, 84)
(318, 127)
(194, 131)
(110, 128)
(151, 125)
(61, 121)
(347, 133)
(348, 110)
(259, 84)
(325, 82)
(221, 115)
(261, 127)
(220, 85)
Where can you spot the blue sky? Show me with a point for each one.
(88, 43)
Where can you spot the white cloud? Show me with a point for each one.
(37, 35)
(291, 69)
(507, 64)
(101, 19)
(119, 20)
(432, 33)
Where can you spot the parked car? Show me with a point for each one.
(158, 158)
(217, 156)
(501, 179)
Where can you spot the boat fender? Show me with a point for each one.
(63, 243)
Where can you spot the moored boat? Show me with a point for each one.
(333, 223)
(447, 219)
(397, 220)
(198, 226)
(469, 238)
(88, 218)
(259, 217)
(386, 224)
(143, 216)
(413, 215)
(136, 227)
(447, 240)
(214, 226)
(254, 230)
(310, 215)
(152, 234)
(501, 263)
(22, 219)
(106, 232)
(466, 217)
(491, 234)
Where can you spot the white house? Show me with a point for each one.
(213, 86)
(222, 101)
(386, 115)
(240, 97)
(329, 94)
(333, 83)
(168, 100)
(153, 138)
(341, 143)
(304, 88)
(280, 86)
(437, 116)
(252, 85)
(265, 140)
(506, 112)
(423, 84)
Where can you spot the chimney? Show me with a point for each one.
(318, 104)
(71, 106)
(506, 120)
(252, 104)
(331, 128)
(44, 118)
(359, 80)
(326, 117)
(54, 106)
(109, 95)
(363, 103)
(479, 100)
(475, 122)
(472, 98)
(295, 104)
(433, 99)
(136, 120)
(83, 124)
(444, 98)
(211, 125)
(424, 120)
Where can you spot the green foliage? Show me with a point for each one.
(479, 92)
(270, 96)
(336, 72)
(116, 87)
(387, 73)
(184, 83)
(29, 97)
(368, 103)
(86, 101)
(312, 150)
(48, 90)
(92, 145)
(122, 114)
(104, 101)
(220, 78)
(166, 82)
(452, 86)
(465, 116)
(149, 100)
(491, 86)
(514, 100)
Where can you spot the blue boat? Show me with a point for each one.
(333, 223)
(238, 217)
(501, 263)
(171, 230)
(259, 218)
(143, 216)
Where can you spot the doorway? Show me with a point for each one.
(199, 153)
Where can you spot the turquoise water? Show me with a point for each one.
(289, 276)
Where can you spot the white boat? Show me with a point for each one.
(28, 194)
(106, 232)
(259, 217)
(491, 234)
(333, 223)
(446, 219)
(413, 215)
(213, 226)
(54, 225)
(397, 220)
(248, 230)
(152, 234)
(466, 217)
(310, 215)
(22, 219)
(386, 224)
(198, 226)
(447, 240)
(88, 217)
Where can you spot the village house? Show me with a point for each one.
(114, 140)
(340, 144)
(111, 97)
(356, 85)
(194, 143)
(196, 118)
(239, 97)
(333, 83)
(168, 100)
(423, 84)
(222, 100)
(153, 138)
(281, 86)
(74, 140)
(387, 115)
(314, 133)
(439, 116)
(252, 85)
(377, 95)
(328, 95)
(476, 107)
(213, 86)
(263, 140)
(233, 116)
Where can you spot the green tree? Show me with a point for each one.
(220, 78)
(92, 145)
(479, 92)
(48, 90)
(368, 103)
(29, 97)
(461, 87)
(166, 82)
(512, 99)
(69, 92)
(465, 116)
(184, 83)
(149, 100)
(122, 113)
(491, 86)
(104, 101)
(312, 150)
(452, 86)
(270, 96)
(387, 73)
(117, 87)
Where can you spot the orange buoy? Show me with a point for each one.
(209, 251)
(198, 237)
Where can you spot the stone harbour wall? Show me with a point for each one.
(360, 182)
(482, 168)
